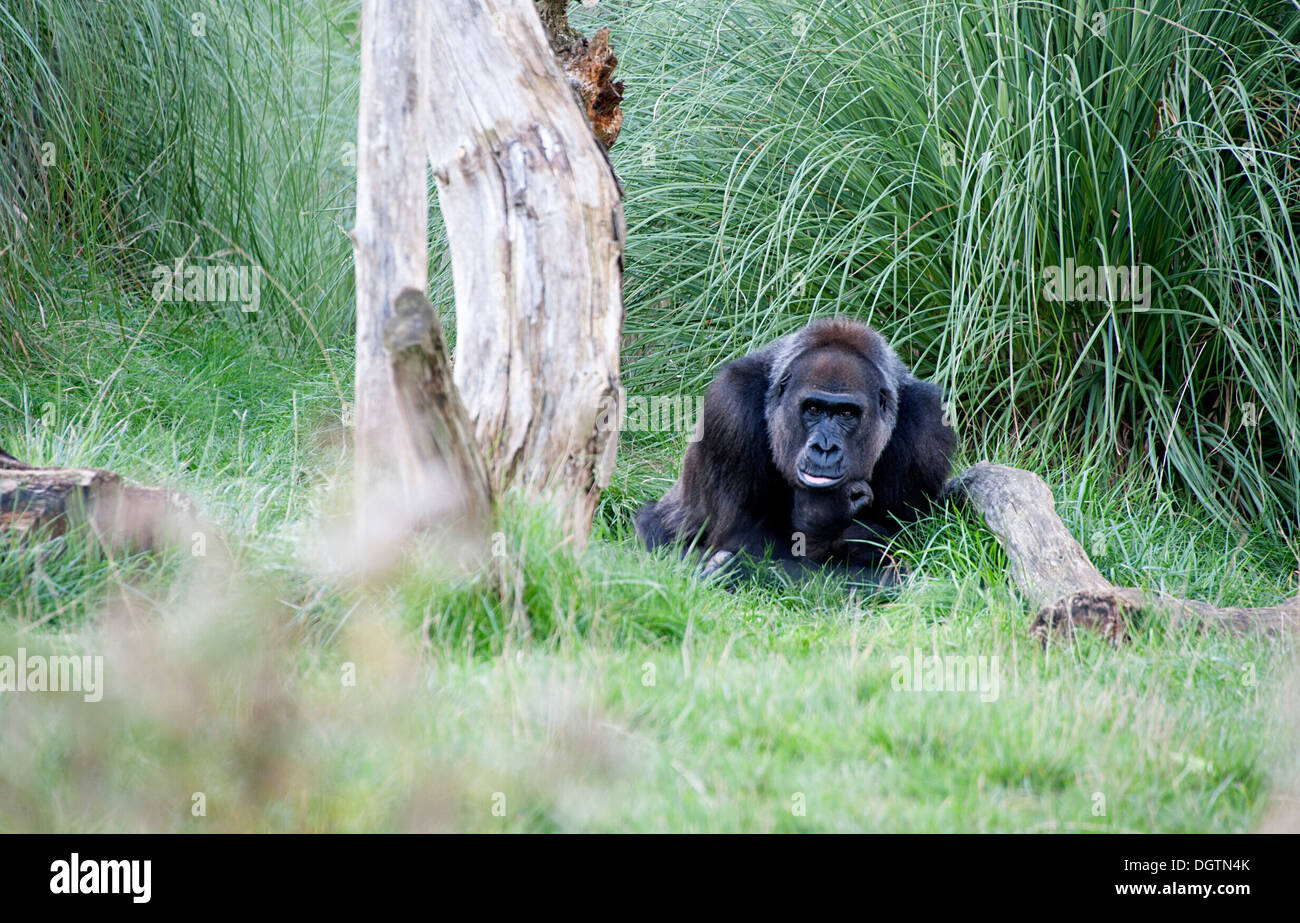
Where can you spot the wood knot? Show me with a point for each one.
(1111, 617)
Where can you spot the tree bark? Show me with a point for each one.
(390, 240)
(589, 66)
(1051, 569)
(534, 219)
(432, 411)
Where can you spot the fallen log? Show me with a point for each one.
(9, 462)
(1051, 569)
(55, 500)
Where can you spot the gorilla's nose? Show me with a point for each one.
(824, 450)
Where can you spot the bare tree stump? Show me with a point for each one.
(1051, 569)
(534, 218)
(122, 516)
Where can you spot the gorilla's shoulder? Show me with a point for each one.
(733, 405)
(920, 397)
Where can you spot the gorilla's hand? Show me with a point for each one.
(716, 564)
(859, 497)
(825, 514)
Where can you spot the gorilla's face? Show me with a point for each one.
(834, 417)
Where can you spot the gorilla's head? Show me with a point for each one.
(831, 407)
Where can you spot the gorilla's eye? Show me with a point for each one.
(848, 413)
(813, 408)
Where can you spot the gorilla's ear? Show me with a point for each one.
(884, 400)
(783, 384)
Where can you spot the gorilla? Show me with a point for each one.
(810, 450)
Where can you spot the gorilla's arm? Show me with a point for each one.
(728, 489)
(728, 481)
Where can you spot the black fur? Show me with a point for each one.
(765, 433)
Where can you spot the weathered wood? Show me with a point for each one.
(55, 500)
(1054, 573)
(589, 66)
(9, 462)
(447, 455)
(390, 240)
(534, 218)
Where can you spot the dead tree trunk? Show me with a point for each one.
(534, 219)
(390, 240)
(1053, 572)
(416, 463)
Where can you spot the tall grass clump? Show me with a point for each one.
(141, 132)
(921, 165)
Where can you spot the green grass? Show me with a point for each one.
(771, 176)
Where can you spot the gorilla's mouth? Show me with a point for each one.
(819, 480)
